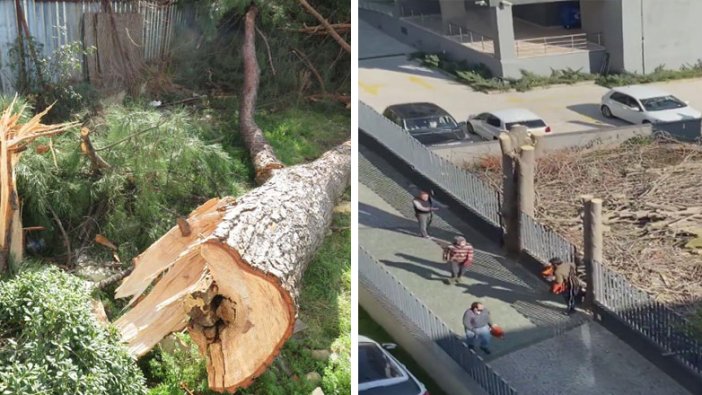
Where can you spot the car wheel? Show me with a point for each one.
(606, 112)
(460, 135)
(469, 128)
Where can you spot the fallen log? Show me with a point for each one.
(233, 281)
(264, 160)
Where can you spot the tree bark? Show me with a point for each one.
(233, 281)
(264, 160)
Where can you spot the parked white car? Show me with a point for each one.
(489, 125)
(379, 373)
(645, 104)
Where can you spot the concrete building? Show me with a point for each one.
(509, 36)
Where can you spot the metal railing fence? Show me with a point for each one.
(464, 186)
(381, 282)
(640, 312)
(556, 44)
(544, 243)
(668, 329)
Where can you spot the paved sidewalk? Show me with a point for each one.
(537, 333)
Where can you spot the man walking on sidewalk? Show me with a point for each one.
(477, 324)
(424, 211)
(460, 256)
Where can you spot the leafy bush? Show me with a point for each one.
(53, 78)
(658, 75)
(50, 343)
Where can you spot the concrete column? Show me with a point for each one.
(503, 23)
(526, 169)
(593, 243)
(538, 138)
(510, 217)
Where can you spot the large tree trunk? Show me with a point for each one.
(262, 155)
(234, 278)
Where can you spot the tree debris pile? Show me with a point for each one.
(652, 209)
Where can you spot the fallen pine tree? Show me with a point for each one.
(231, 276)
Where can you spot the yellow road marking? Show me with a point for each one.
(370, 88)
(420, 81)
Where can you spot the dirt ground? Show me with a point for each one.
(652, 192)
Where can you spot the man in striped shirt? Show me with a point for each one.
(460, 256)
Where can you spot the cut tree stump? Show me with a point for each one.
(233, 281)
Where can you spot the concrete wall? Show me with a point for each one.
(587, 62)
(605, 16)
(427, 40)
(471, 153)
(672, 32)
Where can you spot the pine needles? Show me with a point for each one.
(160, 168)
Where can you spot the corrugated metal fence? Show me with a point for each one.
(58, 23)
(416, 315)
(641, 313)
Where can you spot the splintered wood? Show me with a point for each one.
(652, 210)
(231, 272)
(15, 135)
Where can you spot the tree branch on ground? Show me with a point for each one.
(264, 159)
(325, 23)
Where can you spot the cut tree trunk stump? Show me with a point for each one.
(233, 281)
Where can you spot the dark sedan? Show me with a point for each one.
(426, 122)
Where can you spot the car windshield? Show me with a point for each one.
(532, 124)
(374, 365)
(662, 103)
(433, 122)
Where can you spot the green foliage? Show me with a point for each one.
(658, 75)
(51, 344)
(216, 62)
(54, 78)
(300, 135)
(480, 78)
(160, 168)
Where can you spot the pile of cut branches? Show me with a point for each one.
(652, 209)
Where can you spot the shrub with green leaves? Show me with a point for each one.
(50, 343)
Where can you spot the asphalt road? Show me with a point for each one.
(386, 78)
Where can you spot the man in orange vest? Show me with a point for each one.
(564, 281)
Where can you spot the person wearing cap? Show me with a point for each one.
(424, 211)
(460, 256)
(564, 282)
(477, 324)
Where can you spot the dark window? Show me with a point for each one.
(533, 124)
(494, 121)
(662, 103)
(619, 97)
(391, 116)
(374, 365)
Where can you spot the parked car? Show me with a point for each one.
(489, 125)
(427, 122)
(645, 104)
(379, 373)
